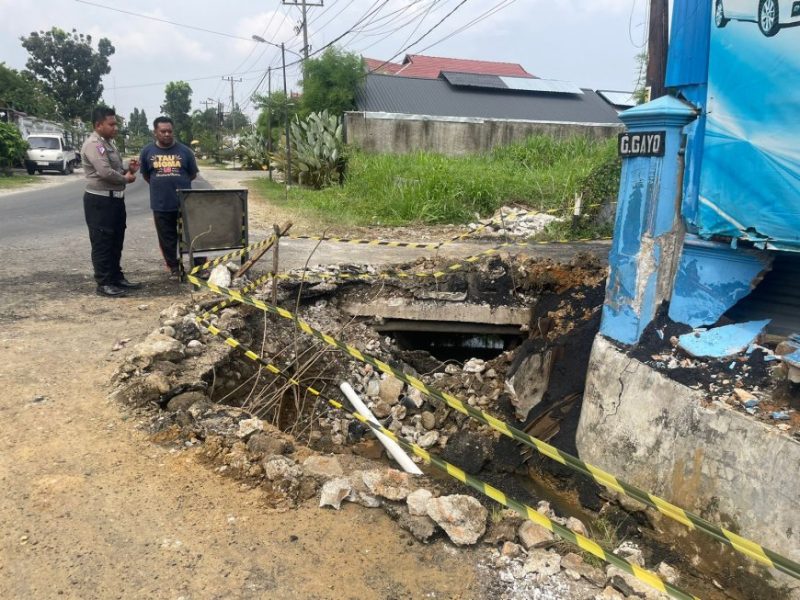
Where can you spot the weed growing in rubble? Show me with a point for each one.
(386, 189)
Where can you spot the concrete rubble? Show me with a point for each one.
(209, 398)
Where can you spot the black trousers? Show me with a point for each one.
(167, 230)
(105, 218)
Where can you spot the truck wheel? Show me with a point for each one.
(67, 168)
(30, 170)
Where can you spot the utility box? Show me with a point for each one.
(213, 223)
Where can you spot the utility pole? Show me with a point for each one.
(657, 44)
(286, 120)
(269, 121)
(303, 4)
(208, 102)
(233, 118)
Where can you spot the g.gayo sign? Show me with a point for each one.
(641, 143)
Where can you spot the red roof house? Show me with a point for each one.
(430, 67)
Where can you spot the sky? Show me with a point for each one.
(592, 43)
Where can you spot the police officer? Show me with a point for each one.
(104, 202)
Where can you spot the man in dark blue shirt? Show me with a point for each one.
(167, 166)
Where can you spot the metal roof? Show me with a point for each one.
(501, 82)
(437, 97)
(618, 99)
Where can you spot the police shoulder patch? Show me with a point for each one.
(101, 148)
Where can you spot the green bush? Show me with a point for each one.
(252, 151)
(542, 173)
(317, 150)
(12, 147)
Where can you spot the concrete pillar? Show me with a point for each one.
(648, 232)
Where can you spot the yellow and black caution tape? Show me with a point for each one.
(690, 520)
(511, 216)
(235, 254)
(524, 510)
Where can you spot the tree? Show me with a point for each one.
(23, 93)
(640, 92)
(137, 124)
(12, 147)
(69, 68)
(205, 129)
(177, 104)
(242, 120)
(138, 129)
(275, 110)
(331, 81)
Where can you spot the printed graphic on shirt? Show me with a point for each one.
(166, 165)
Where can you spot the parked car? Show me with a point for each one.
(49, 151)
(769, 14)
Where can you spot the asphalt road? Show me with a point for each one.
(45, 252)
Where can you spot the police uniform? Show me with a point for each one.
(104, 207)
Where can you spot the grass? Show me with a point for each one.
(424, 188)
(15, 181)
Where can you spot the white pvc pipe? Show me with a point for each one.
(391, 446)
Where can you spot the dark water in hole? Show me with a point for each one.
(456, 346)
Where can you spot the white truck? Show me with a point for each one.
(49, 152)
(52, 146)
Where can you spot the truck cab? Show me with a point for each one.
(49, 152)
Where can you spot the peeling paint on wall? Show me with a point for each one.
(712, 278)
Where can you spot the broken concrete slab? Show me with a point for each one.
(529, 382)
(665, 438)
(463, 518)
(403, 308)
(722, 342)
(711, 278)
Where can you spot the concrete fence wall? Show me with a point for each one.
(398, 134)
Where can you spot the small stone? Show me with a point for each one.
(334, 492)
(280, 467)
(194, 348)
(390, 483)
(221, 276)
(390, 390)
(373, 388)
(428, 439)
(576, 526)
(631, 552)
(532, 535)
(326, 467)
(247, 427)
(415, 397)
(370, 448)
(543, 563)
(398, 412)
(143, 307)
(381, 410)
(475, 365)
(184, 401)
(266, 445)
(417, 502)
(168, 331)
(463, 518)
(609, 593)
(667, 573)
(452, 369)
(490, 374)
(743, 395)
(511, 550)
(428, 420)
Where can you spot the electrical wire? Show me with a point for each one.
(422, 37)
(495, 9)
(174, 23)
